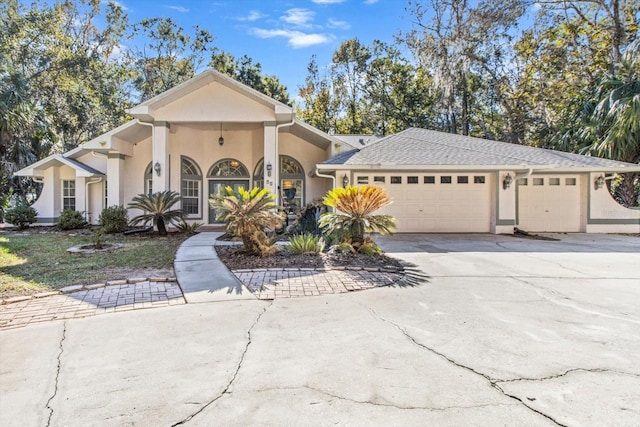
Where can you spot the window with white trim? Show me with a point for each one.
(69, 195)
(191, 188)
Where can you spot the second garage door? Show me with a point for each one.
(445, 203)
(549, 203)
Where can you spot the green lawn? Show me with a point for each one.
(38, 260)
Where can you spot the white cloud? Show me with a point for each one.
(327, 1)
(298, 17)
(296, 39)
(370, 1)
(178, 8)
(253, 15)
(334, 23)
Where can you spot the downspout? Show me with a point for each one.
(86, 196)
(523, 175)
(331, 177)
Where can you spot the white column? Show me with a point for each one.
(115, 180)
(505, 204)
(81, 196)
(160, 155)
(271, 157)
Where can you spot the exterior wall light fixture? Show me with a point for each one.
(506, 183)
(221, 139)
(157, 168)
(269, 168)
(345, 180)
(599, 182)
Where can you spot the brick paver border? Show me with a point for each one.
(272, 283)
(80, 301)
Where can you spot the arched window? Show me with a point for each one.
(148, 179)
(226, 173)
(292, 180)
(191, 187)
(228, 168)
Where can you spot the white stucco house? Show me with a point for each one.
(212, 131)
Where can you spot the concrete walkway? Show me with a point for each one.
(201, 274)
(204, 278)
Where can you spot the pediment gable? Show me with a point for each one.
(214, 102)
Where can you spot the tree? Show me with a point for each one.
(320, 107)
(61, 81)
(349, 66)
(354, 212)
(612, 128)
(157, 208)
(248, 214)
(463, 48)
(168, 57)
(246, 72)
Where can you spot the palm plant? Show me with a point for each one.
(354, 212)
(157, 208)
(613, 118)
(248, 214)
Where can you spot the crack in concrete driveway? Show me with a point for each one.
(55, 387)
(492, 381)
(235, 373)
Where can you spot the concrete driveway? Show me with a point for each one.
(488, 330)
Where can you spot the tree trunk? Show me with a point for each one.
(626, 192)
(162, 229)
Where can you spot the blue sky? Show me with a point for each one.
(282, 35)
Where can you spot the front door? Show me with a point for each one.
(216, 185)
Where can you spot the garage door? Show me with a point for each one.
(549, 203)
(447, 203)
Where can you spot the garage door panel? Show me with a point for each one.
(550, 208)
(440, 207)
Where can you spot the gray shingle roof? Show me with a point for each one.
(430, 148)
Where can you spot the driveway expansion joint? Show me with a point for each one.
(493, 382)
(55, 388)
(235, 373)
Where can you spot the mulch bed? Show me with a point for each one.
(235, 259)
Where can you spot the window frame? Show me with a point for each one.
(66, 196)
(187, 178)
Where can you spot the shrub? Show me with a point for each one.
(113, 219)
(307, 218)
(354, 212)
(70, 220)
(305, 244)
(185, 227)
(157, 209)
(248, 214)
(369, 248)
(98, 238)
(21, 216)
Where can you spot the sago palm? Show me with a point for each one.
(247, 214)
(354, 212)
(157, 208)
